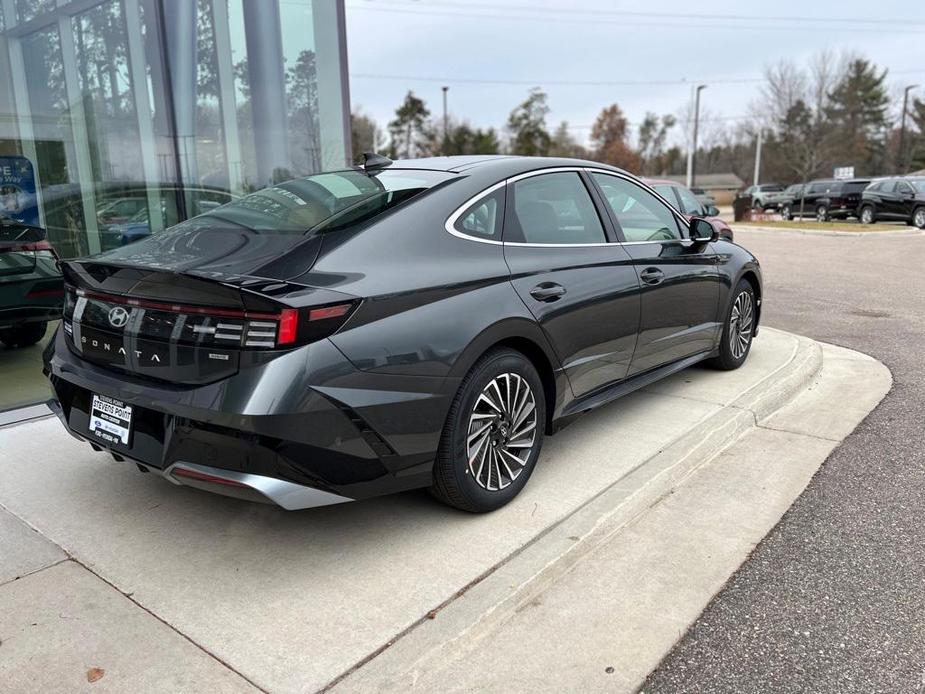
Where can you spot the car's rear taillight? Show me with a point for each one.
(288, 327)
(206, 326)
(41, 247)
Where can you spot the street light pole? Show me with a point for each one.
(758, 157)
(901, 158)
(693, 176)
(446, 128)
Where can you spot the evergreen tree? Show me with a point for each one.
(857, 111)
(464, 139)
(411, 133)
(527, 126)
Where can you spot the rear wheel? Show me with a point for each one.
(24, 335)
(867, 215)
(493, 434)
(738, 329)
(918, 217)
(786, 212)
(822, 213)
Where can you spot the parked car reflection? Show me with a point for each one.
(31, 286)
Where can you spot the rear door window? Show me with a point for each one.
(553, 208)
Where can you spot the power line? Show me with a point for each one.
(579, 83)
(618, 23)
(660, 15)
(560, 83)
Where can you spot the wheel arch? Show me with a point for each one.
(527, 338)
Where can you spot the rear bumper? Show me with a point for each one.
(305, 429)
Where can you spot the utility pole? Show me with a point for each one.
(901, 158)
(446, 127)
(693, 153)
(758, 157)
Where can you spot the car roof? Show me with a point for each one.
(501, 164)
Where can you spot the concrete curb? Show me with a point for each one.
(824, 232)
(488, 601)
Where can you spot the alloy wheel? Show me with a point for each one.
(502, 431)
(867, 215)
(919, 218)
(822, 214)
(740, 324)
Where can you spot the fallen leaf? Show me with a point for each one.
(94, 674)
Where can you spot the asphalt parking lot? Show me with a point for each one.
(833, 599)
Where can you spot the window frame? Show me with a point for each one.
(612, 229)
(453, 224)
(680, 219)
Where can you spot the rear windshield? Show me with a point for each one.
(323, 202)
(854, 186)
(772, 188)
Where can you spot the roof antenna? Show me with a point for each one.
(374, 162)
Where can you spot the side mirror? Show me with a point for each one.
(712, 211)
(702, 230)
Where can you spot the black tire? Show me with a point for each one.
(757, 206)
(454, 481)
(728, 357)
(786, 212)
(822, 213)
(24, 335)
(918, 217)
(866, 215)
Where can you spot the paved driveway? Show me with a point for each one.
(834, 599)
(291, 601)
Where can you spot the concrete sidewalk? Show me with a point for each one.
(176, 589)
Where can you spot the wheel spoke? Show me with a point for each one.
(485, 428)
(486, 399)
(530, 426)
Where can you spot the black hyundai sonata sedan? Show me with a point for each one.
(419, 323)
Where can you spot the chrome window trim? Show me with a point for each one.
(450, 224)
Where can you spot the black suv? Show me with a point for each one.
(901, 199)
(824, 199)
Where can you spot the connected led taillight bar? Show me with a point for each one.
(232, 327)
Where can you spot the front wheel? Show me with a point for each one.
(867, 215)
(918, 218)
(738, 329)
(24, 335)
(786, 212)
(493, 434)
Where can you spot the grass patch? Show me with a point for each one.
(822, 226)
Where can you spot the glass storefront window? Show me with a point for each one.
(119, 118)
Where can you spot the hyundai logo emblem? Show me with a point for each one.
(118, 317)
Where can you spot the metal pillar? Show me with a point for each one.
(267, 82)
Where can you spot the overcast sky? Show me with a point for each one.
(490, 53)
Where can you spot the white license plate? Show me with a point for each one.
(110, 420)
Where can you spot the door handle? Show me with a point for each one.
(547, 291)
(652, 275)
